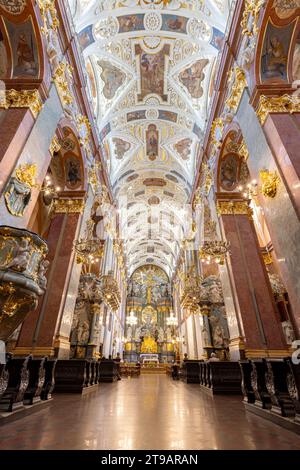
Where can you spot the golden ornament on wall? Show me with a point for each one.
(270, 181)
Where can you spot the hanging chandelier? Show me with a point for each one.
(214, 251)
(89, 249)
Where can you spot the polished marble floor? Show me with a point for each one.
(150, 412)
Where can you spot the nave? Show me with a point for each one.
(151, 412)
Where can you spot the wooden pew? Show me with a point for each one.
(37, 375)
(18, 370)
(49, 383)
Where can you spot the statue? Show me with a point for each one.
(129, 333)
(218, 332)
(169, 334)
(83, 332)
(161, 335)
(21, 259)
(288, 331)
(42, 280)
(205, 337)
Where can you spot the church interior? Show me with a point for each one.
(149, 224)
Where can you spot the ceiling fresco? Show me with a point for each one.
(150, 65)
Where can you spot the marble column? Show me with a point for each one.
(261, 325)
(40, 331)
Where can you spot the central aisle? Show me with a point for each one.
(149, 412)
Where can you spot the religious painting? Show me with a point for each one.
(73, 172)
(112, 77)
(192, 78)
(174, 23)
(296, 59)
(167, 115)
(85, 37)
(152, 138)
(275, 51)
(3, 57)
(136, 115)
(183, 148)
(129, 23)
(152, 72)
(217, 40)
(120, 147)
(229, 172)
(24, 49)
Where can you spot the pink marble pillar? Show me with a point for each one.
(39, 333)
(262, 329)
(15, 127)
(283, 135)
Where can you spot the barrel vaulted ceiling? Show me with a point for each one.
(150, 65)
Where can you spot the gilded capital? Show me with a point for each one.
(234, 208)
(22, 99)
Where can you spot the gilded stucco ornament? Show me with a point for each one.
(18, 192)
(277, 104)
(62, 78)
(22, 99)
(270, 181)
(22, 276)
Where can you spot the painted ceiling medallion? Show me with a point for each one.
(121, 147)
(152, 21)
(152, 114)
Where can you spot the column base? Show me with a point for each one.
(62, 347)
(276, 353)
(36, 352)
(237, 349)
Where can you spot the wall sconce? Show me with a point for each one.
(270, 181)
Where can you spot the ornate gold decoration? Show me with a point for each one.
(251, 16)
(270, 181)
(267, 257)
(84, 128)
(22, 99)
(277, 104)
(89, 249)
(214, 250)
(27, 173)
(61, 78)
(48, 7)
(190, 297)
(68, 206)
(238, 77)
(217, 124)
(55, 146)
(234, 208)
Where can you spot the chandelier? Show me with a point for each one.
(214, 250)
(172, 320)
(131, 319)
(89, 249)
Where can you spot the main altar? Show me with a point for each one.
(149, 304)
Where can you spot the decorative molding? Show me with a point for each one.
(55, 146)
(22, 99)
(250, 18)
(277, 104)
(234, 208)
(61, 78)
(238, 78)
(68, 206)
